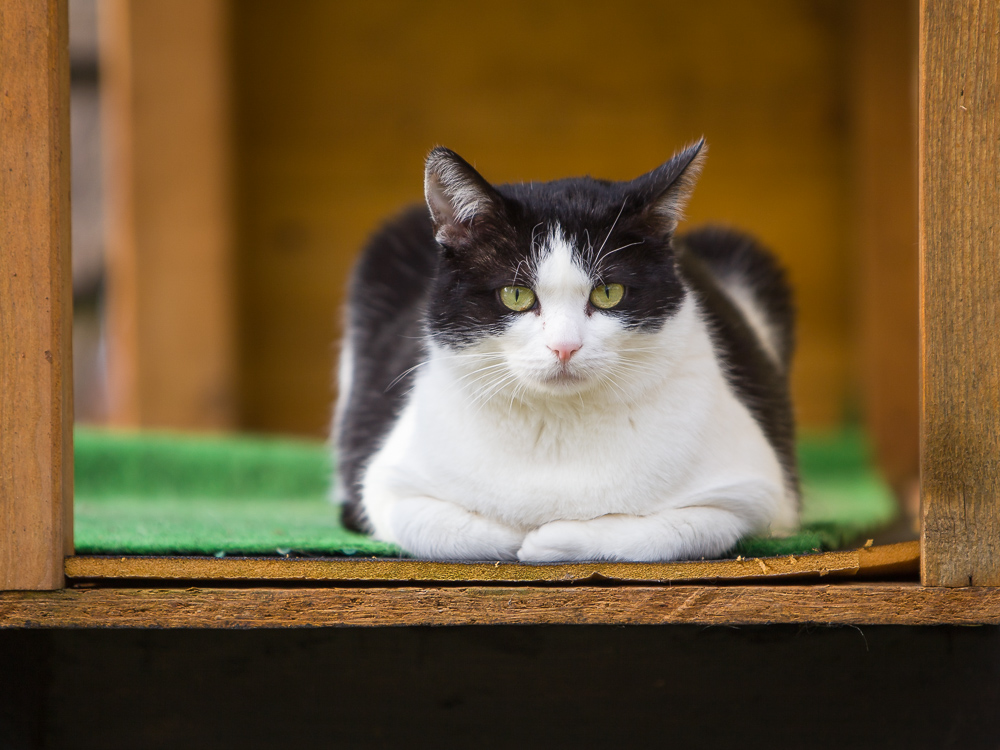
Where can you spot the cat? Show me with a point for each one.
(543, 372)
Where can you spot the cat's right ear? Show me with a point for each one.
(664, 192)
(456, 194)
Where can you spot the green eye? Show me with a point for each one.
(517, 298)
(606, 296)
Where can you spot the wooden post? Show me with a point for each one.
(36, 383)
(171, 280)
(960, 291)
(884, 59)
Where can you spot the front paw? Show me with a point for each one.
(559, 541)
(437, 530)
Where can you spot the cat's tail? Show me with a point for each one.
(754, 281)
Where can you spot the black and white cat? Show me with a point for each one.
(543, 372)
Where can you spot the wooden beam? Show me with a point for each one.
(36, 312)
(855, 604)
(171, 280)
(960, 291)
(890, 559)
(884, 60)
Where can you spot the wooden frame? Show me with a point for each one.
(36, 313)
(960, 292)
(884, 61)
(873, 604)
(179, 291)
(960, 368)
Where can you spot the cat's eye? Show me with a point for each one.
(517, 298)
(606, 296)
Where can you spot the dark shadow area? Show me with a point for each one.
(483, 687)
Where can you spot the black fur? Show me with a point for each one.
(708, 256)
(437, 273)
(464, 307)
(387, 299)
(732, 254)
(627, 225)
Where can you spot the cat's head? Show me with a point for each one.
(555, 287)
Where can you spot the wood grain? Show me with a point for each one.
(171, 280)
(884, 63)
(36, 391)
(891, 559)
(885, 604)
(960, 291)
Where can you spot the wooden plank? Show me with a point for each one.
(884, 61)
(857, 604)
(888, 559)
(171, 277)
(960, 291)
(36, 313)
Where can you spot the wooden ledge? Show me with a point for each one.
(891, 559)
(854, 604)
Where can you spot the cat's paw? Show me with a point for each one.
(560, 541)
(438, 530)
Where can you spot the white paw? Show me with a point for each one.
(674, 534)
(438, 530)
(560, 541)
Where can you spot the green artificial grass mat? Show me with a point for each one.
(163, 494)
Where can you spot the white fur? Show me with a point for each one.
(450, 194)
(636, 449)
(345, 380)
(746, 301)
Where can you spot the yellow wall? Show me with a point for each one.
(337, 104)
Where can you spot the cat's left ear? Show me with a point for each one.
(456, 194)
(664, 192)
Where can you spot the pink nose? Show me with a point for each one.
(564, 350)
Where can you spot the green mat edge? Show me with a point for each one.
(248, 469)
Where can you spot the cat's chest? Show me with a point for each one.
(529, 467)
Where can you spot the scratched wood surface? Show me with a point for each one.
(960, 291)
(892, 559)
(858, 604)
(36, 393)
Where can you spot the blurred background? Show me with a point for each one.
(230, 159)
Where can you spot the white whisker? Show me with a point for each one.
(612, 252)
(403, 374)
(613, 225)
